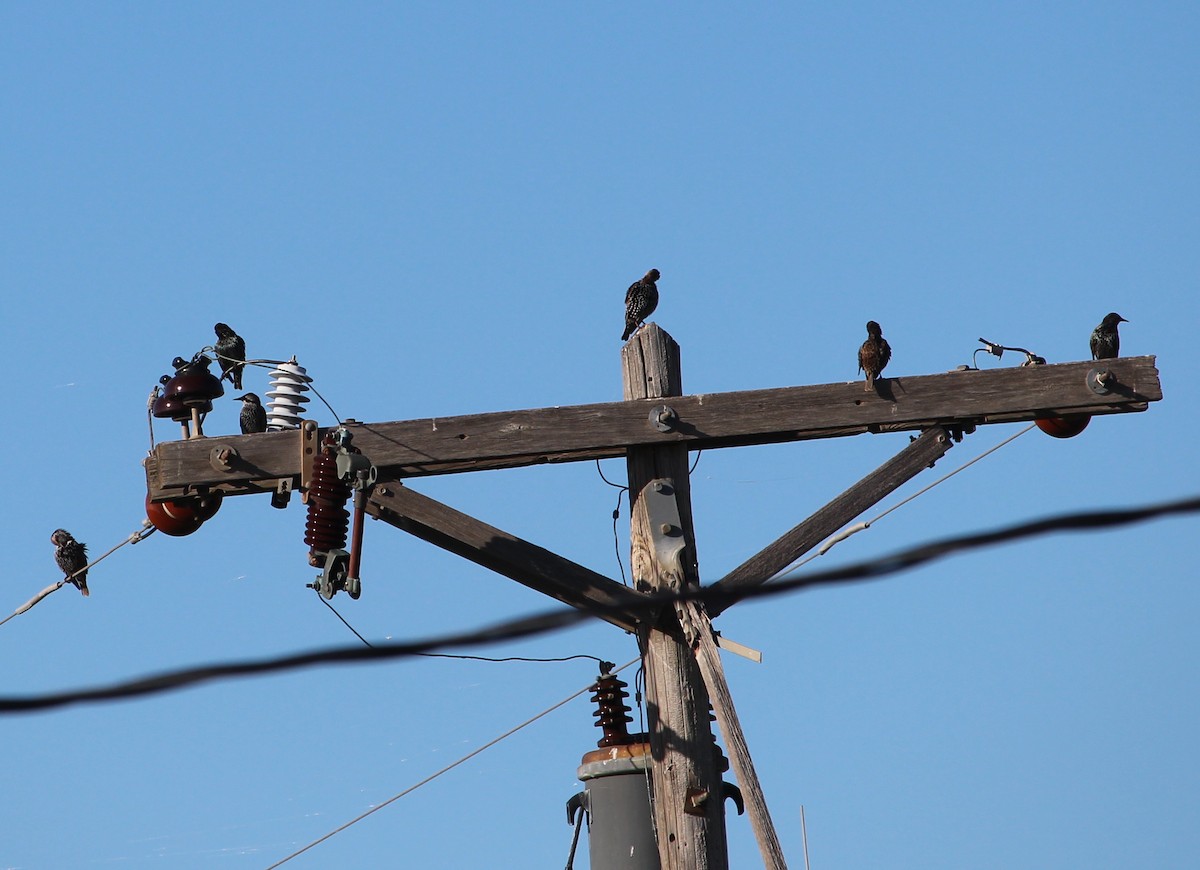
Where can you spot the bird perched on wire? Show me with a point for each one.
(71, 556)
(1106, 343)
(640, 301)
(231, 353)
(254, 416)
(874, 354)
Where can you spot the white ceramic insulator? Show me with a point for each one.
(289, 383)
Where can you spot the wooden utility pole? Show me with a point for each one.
(654, 428)
(687, 790)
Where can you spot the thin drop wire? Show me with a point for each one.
(452, 656)
(588, 688)
(272, 363)
(616, 537)
(533, 659)
(575, 839)
(154, 394)
(343, 619)
(621, 490)
(600, 471)
(840, 536)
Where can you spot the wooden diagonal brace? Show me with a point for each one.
(877, 485)
(506, 554)
(697, 625)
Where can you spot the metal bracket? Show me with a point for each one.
(356, 469)
(282, 494)
(578, 803)
(310, 442)
(738, 649)
(666, 528)
(732, 793)
(334, 577)
(1099, 381)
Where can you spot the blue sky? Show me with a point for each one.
(437, 208)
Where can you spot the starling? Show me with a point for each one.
(874, 354)
(231, 353)
(254, 416)
(70, 556)
(640, 301)
(1106, 344)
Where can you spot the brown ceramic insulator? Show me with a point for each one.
(612, 713)
(328, 520)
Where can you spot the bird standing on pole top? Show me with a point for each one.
(874, 354)
(254, 416)
(71, 556)
(1106, 343)
(640, 301)
(231, 353)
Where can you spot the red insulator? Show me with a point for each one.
(175, 518)
(1064, 427)
(611, 717)
(328, 519)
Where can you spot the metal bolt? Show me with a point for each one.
(666, 528)
(221, 457)
(694, 801)
(1100, 381)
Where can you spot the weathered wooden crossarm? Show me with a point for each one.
(509, 439)
(506, 554)
(877, 485)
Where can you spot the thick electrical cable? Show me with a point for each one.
(575, 840)
(140, 535)
(541, 623)
(588, 688)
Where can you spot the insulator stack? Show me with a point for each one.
(328, 520)
(612, 716)
(288, 385)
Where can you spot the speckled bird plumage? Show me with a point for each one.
(70, 556)
(254, 416)
(231, 354)
(640, 301)
(874, 354)
(1106, 343)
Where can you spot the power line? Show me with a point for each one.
(140, 535)
(589, 687)
(541, 623)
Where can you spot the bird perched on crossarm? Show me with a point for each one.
(254, 416)
(1106, 343)
(874, 354)
(640, 301)
(231, 353)
(71, 556)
